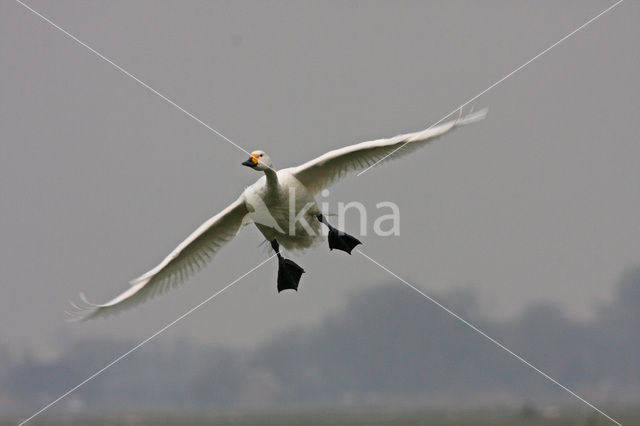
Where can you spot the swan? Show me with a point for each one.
(282, 206)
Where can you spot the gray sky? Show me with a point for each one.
(100, 178)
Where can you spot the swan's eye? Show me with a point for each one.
(261, 155)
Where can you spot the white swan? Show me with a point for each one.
(281, 204)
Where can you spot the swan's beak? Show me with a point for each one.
(252, 161)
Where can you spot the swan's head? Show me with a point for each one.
(259, 160)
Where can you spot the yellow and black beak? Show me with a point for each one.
(252, 161)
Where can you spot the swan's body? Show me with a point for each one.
(273, 192)
(271, 203)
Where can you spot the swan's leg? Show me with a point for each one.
(338, 239)
(289, 272)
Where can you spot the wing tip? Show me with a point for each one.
(81, 313)
(472, 117)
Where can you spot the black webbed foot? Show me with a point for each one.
(289, 274)
(339, 240)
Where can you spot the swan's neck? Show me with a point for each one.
(272, 179)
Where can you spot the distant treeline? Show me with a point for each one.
(388, 346)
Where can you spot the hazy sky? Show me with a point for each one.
(100, 178)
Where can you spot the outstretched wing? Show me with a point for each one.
(190, 256)
(325, 170)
